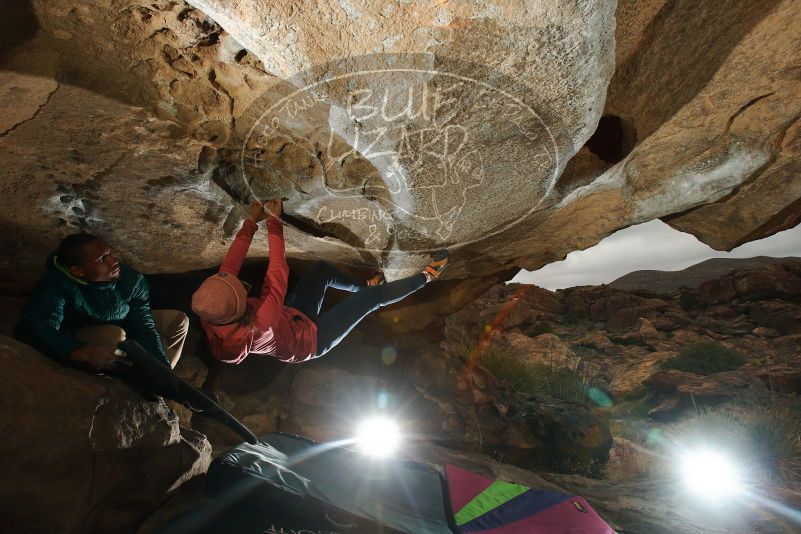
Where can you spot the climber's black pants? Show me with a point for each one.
(333, 325)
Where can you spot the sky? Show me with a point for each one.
(651, 245)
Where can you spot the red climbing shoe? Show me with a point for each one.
(437, 265)
(377, 280)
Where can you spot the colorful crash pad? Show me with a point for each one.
(483, 505)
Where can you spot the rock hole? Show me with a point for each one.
(144, 14)
(17, 25)
(210, 40)
(206, 158)
(240, 55)
(613, 140)
(183, 15)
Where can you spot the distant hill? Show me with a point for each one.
(693, 276)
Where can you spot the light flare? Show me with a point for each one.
(711, 474)
(378, 437)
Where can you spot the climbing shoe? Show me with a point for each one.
(437, 265)
(377, 279)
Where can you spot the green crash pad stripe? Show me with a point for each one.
(492, 497)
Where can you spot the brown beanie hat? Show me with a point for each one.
(220, 299)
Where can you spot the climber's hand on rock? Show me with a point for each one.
(97, 356)
(274, 207)
(256, 212)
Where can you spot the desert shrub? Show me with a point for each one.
(563, 383)
(765, 438)
(539, 328)
(571, 319)
(507, 368)
(705, 358)
(688, 299)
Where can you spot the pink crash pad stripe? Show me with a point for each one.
(463, 486)
(563, 518)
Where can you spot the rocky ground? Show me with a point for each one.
(621, 337)
(85, 453)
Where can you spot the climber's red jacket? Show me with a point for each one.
(268, 327)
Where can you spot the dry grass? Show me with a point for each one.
(563, 383)
(765, 437)
(629, 460)
(705, 358)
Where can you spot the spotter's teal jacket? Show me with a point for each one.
(61, 304)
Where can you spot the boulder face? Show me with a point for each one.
(707, 93)
(383, 157)
(777, 282)
(393, 130)
(83, 453)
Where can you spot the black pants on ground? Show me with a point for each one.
(333, 325)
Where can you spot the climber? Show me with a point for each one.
(289, 327)
(88, 302)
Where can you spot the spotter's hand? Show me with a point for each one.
(97, 356)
